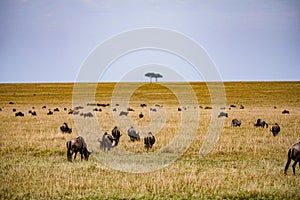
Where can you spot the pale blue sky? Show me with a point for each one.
(48, 41)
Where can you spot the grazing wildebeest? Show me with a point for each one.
(179, 109)
(143, 105)
(233, 106)
(153, 109)
(123, 113)
(76, 145)
(207, 107)
(223, 114)
(11, 103)
(261, 123)
(20, 114)
(130, 109)
(14, 110)
(44, 107)
(116, 134)
(141, 115)
(275, 129)
(149, 140)
(242, 107)
(285, 112)
(78, 108)
(133, 135)
(89, 114)
(56, 110)
(293, 154)
(50, 112)
(65, 128)
(106, 142)
(114, 109)
(33, 113)
(236, 122)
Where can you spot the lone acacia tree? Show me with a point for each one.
(153, 75)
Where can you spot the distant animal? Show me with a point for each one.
(76, 145)
(143, 105)
(65, 128)
(207, 107)
(223, 114)
(130, 109)
(78, 108)
(14, 110)
(33, 113)
(275, 129)
(233, 106)
(293, 154)
(56, 110)
(44, 107)
(285, 112)
(141, 115)
(103, 105)
(70, 111)
(261, 123)
(106, 142)
(236, 122)
(242, 107)
(20, 114)
(133, 135)
(149, 140)
(116, 134)
(50, 112)
(89, 114)
(123, 113)
(179, 109)
(114, 109)
(153, 109)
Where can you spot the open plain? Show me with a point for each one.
(246, 162)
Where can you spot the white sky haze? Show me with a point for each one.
(249, 40)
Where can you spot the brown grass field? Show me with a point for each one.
(247, 162)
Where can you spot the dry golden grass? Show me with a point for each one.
(247, 162)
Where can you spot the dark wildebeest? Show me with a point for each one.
(89, 114)
(116, 134)
(123, 113)
(261, 123)
(106, 142)
(223, 114)
(285, 112)
(293, 154)
(141, 115)
(236, 122)
(133, 135)
(130, 109)
(50, 112)
(143, 105)
(149, 140)
(56, 110)
(275, 129)
(76, 145)
(20, 114)
(65, 128)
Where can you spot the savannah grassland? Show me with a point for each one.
(247, 162)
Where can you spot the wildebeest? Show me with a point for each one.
(223, 114)
(106, 142)
(65, 128)
(293, 154)
(275, 129)
(89, 114)
(130, 109)
(236, 122)
(50, 112)
(242, 107)
(133, 135)
(33, 113)
(149, 140)
(207, 107)
(14, 110)
(116, 134)
(56, 110)
(143, 105)
(141, 115)
(285, 112)
(261, 123)
(123, 113)
(20, 114)
(76, 145)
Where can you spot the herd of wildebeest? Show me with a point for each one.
(109, 141)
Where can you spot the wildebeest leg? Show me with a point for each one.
(69, 155)
(287, 165)
(75, 155)
(294, 166)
